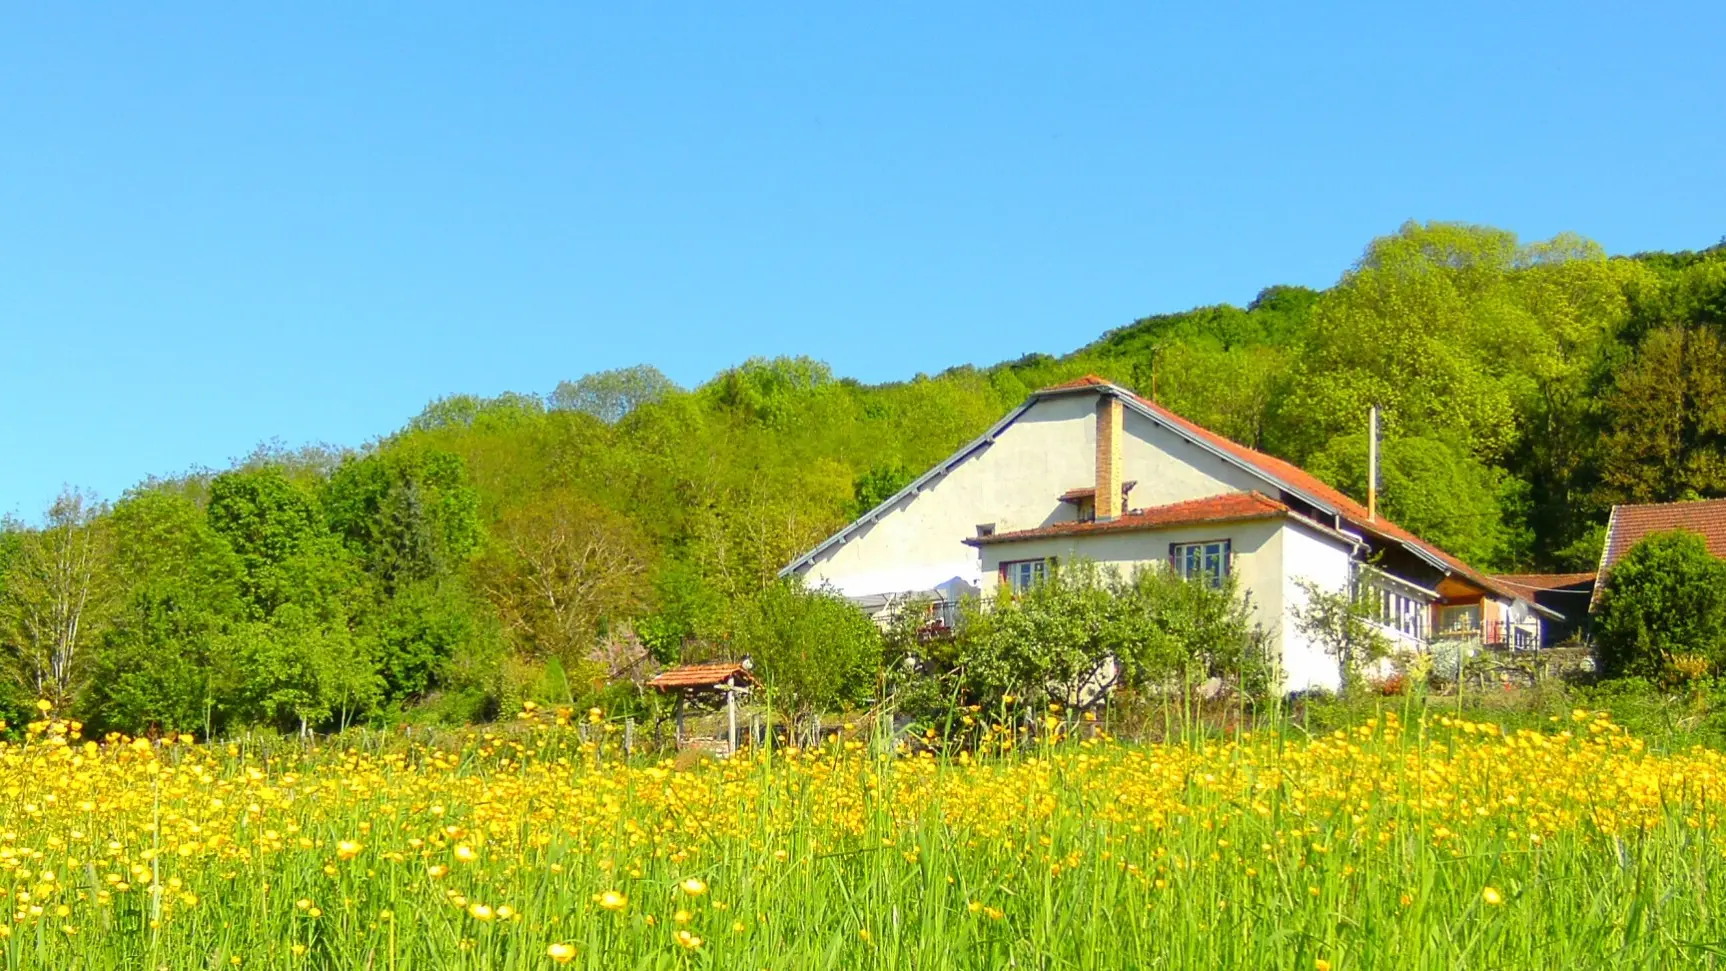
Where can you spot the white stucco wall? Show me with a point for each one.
(1013, 483)
(1322, 560)
(1168, 468)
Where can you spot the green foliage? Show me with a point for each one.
(297, 670)
(611, 396)
(1440, 492)
(413, 637)
(154, 662)
(879, 484)
(1086, 630)
(407, 514)
(1667, 437)
(1663, 608)
(813, 649)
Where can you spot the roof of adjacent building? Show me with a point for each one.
(1630, 525)
(1528, 584)
(701, 675)
(1226, 508)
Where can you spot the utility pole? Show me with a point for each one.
(1372, 464)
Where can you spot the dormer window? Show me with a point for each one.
(1084, 501)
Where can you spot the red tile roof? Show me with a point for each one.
(1088, 381)
(1299, 480)
(1629, 525)
(701, 675)
(1528, 584)
(1544, 581)
(1226, 508)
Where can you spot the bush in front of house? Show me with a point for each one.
(1662, 614)
(812, 649)
(1087, 630)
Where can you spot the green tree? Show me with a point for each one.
(1664, 602)
(55, 598)
(414, 637)
(879, 484)
(1086, 630)
(181, 586)
(296, 671)
(610, 396)
(1341, 622)
(813, 649)
(558, 570)
(1441, 493)
(1667, 407)
(407, 513)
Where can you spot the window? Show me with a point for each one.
(1398, 611)
(1393, 602)
(1208, 561)
(1463, 618)
(1021, 575)
(985, 529)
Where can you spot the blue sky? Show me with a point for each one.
(226, 225)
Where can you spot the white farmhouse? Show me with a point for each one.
(1090, 470)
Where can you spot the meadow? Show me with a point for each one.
(1409, 840)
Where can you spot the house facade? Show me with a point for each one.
(1089, 470)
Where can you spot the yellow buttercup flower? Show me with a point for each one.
(694, 886)
(612, 900)
(1492, 896)
(561, 953)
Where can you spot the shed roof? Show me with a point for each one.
(701, 676)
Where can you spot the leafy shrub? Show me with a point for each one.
(1664, 606)
(1087, 630)
(812, 648)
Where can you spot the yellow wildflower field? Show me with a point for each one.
(1406, 842)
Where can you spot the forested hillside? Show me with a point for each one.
(495, 548)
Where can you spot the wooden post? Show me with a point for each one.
(679, 710)
(629, 736)
(731, 719)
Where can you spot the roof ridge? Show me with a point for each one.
(1668, 505)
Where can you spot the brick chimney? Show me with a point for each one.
(1108, 500)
